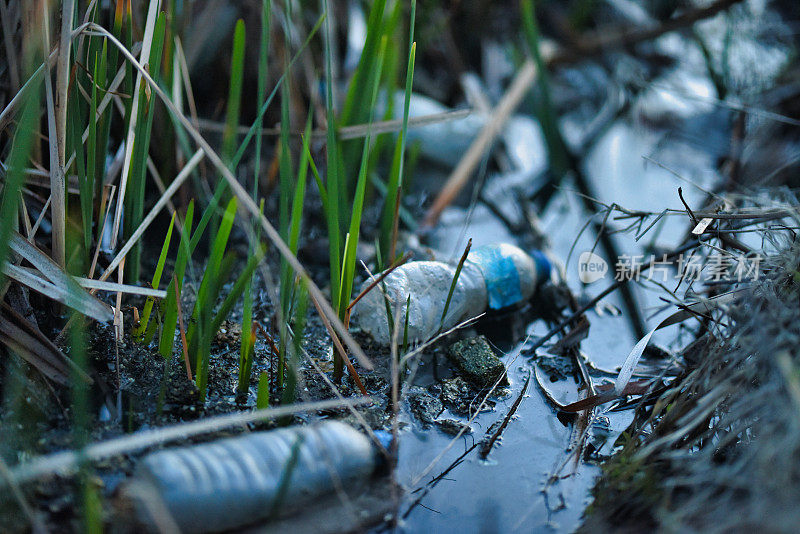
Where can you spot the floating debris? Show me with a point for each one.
(492, 277)
(233, 482)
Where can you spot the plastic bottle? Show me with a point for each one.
(233, 482)
(492, 277)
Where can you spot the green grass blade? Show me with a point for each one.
(323, 192)
(200, 330)
(248, 339)
(76, 121)
(389, 84)
(248, 336)
(91, 153)
(254, 128)
(233, 106)
(288, 285)
(170, 304)
(103, 131)
(453, 284)
(139, 331)
(355, 109)
(285, 194)
(298, 327)
(298, 201)
(262, 397)
(395, 185)
(362, 81)
(349, 261)
(222, 187)
(403, 214)
(263, 72)
(205, 330)
(237, 290)
(558, 155)
(333, 170)
(234, 92)
(338, 303)
(285, 179)
(214, 261)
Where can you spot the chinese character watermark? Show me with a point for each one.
(689, 268)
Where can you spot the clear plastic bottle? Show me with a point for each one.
(492, 277)
(232, 482)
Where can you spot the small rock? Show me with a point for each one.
(424, 406)
(462, 398)
(477, 362)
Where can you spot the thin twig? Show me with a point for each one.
(500, 114)
(685, 205)
(607, 39)
(356, 131)
(486, 447)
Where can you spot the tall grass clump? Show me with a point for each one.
(247, 348)
(103, 114)
(343, 195)
(204, 323)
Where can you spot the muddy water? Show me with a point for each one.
(509, 491)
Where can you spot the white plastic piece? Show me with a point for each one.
(232, 482)
(492, 277)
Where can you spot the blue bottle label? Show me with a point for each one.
(502, 279)
(543, 266)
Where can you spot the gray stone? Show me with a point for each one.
(424, 406)
(462, 398)
(477, 362)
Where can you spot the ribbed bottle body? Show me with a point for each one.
(233, 482)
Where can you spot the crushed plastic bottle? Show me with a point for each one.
(233, 482)
(492, 277)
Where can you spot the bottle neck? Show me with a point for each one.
(544, 267)
(500, 274)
